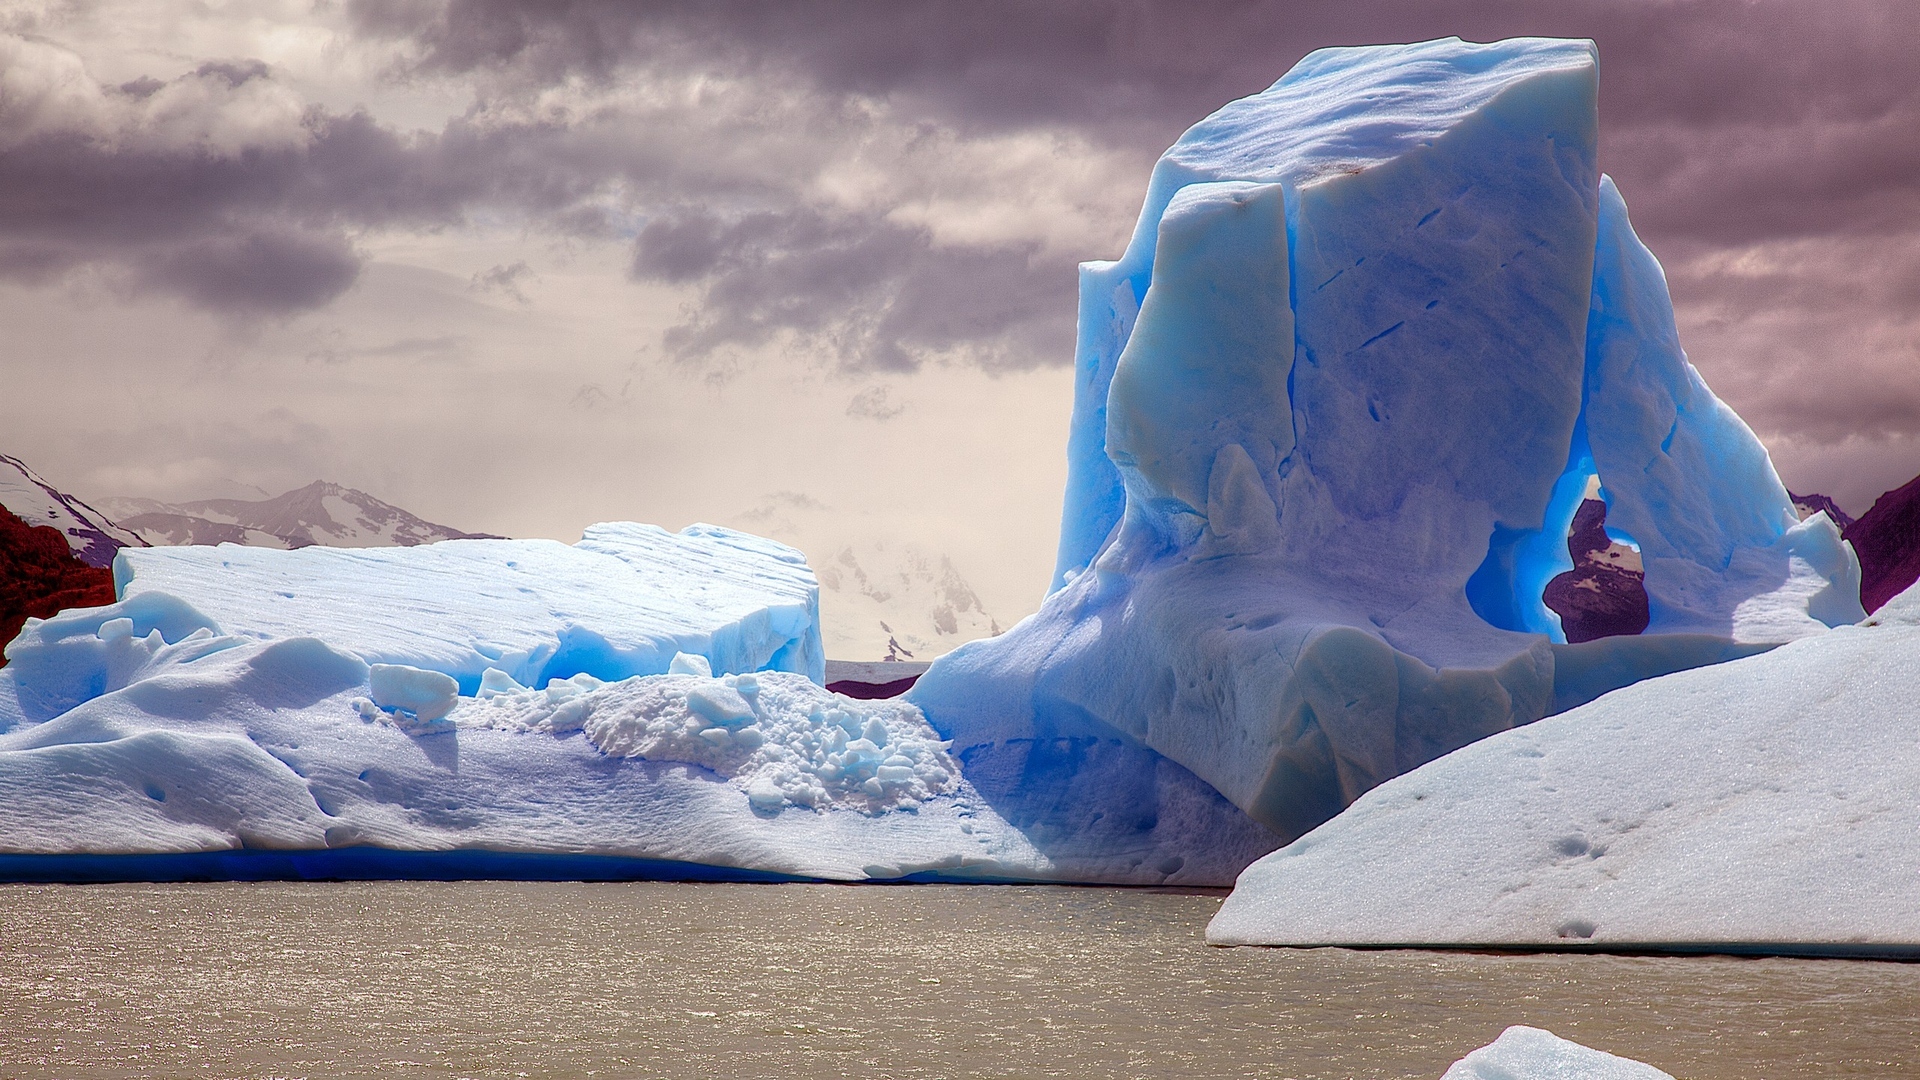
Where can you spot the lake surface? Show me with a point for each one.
(509, 979)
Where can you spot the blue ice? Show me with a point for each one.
(1335, 408)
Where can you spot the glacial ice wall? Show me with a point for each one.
(619, 603)
(1336, 407)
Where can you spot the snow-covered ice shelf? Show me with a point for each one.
(620, 602)
(146, 732)
(1765, 805)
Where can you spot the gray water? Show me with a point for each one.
(505, 979)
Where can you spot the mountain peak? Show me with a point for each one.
(322, 512)
(92, 537)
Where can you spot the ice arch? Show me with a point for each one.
(1335, 409)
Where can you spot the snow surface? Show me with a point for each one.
(1304, 544)
(92, 538)
(621, 602)
(144, 728)
(1527, 1053)
(1765, 804)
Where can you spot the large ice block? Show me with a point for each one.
(1336, 407)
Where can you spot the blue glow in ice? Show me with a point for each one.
(1336, 406)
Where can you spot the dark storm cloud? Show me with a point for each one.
(263, 270)
(1728, 124)
(878, 294)
(1731, 125)
(257, 232)
(1731, 119)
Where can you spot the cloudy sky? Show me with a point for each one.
(808, 267)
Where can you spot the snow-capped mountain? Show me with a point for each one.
(92, 536)
(880, 598)
(320, 513)
(1808, 505)
(897, 602)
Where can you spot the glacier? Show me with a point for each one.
(1760, 806)
(1377, 329)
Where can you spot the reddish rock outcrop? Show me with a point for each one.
(40, 576)
(1887, 539)
(1602, 596)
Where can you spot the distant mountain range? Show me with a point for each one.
(320, 513)
(879, 599)
(55, 549)
(1808, 505)
(1603, 595)
(93, 538)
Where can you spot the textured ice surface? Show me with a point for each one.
(1766, 803)
(1441, 189)
(1723, 550)
(1526, 1053)
(143, 728)
(1336, 407)
(621, 602)
(777, 736)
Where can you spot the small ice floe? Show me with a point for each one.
(1527, 1053)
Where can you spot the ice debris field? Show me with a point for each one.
(1294, 565)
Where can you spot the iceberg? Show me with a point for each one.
(273, 747)
(1528, 1053)
(1378, 331)
(1336, 406)
(1760, 806)
(493, 707)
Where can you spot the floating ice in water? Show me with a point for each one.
(1764, 805)
(211, 741)
(1335, 408)
(142, 728)
(1527, 1053)
(1336, 405)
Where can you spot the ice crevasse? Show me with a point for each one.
(1376, 330)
